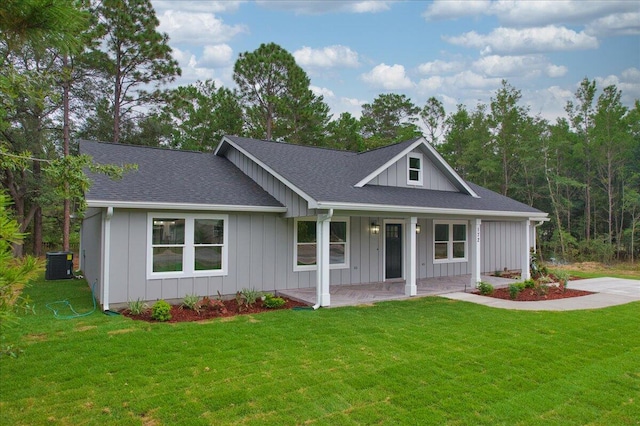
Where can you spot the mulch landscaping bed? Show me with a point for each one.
(530, 294)
(231, 308)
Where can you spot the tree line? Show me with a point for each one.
(81, 69)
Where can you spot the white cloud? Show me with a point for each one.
(528, 40)
(388, 77)
(616, 24)
(197, 6)
(191, 69)
(216, 56)
(431, 84)
(530, 13)
(471, 80)
(197, 28)
(322, 91)
(440, 67)
(449, 9)
(631, 74)
(318, 7)
(327, 57)
(555, 71)
(517, 66)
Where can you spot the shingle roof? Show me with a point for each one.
(330, 175)
(172, 177)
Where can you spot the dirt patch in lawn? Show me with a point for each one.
(231, 308)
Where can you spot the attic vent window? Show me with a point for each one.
(414, 169)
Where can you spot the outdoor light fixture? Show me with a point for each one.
(418, 229)
(375, 228)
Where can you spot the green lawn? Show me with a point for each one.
(626, 270)
(422, 361)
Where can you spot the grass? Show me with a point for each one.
(422, 361)
(624, 270)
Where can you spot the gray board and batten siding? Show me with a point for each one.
(396, 175)
(261, 248)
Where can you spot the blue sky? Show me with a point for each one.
(457, 51)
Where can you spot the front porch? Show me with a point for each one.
(359, 294)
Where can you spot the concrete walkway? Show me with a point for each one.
(607, 292)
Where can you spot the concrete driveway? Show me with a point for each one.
(607, 292)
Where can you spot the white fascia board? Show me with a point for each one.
(183, 206)
(301, 193)
(431, 210)
(386, 165)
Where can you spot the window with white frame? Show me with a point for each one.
(414, 169)
(186, 245)
(449, 241)
(305, 244)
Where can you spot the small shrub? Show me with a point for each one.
(541, 289)
(212, 305)
(161, 311)
(272, 302)
(250, 296)
(190, 301)
(544, 279)
(137, 307)
(515, 289)
(497, 273)
(563, 279)
(485, 288)
(529, 283)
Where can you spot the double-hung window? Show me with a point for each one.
(414, 169)
(449, 241)
(306, 244)
(186, 245)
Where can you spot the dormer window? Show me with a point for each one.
(414, 169)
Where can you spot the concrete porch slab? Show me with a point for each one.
(358, 294)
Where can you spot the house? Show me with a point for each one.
(274, 216)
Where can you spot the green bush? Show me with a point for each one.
(137, 307)
(190, 301)
(529, 283)
(485, 288)
(250, 296)
(272, 302)
(161, 311)
(515, 289)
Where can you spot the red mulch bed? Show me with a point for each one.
(181, 314)
(530, 294)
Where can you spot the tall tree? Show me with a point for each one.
(138, 57)
(344, 133)
(276, 97)
(612, 145)
(506, 118)
(201, 114)
(433, 116)
(390, 118)
(581, 118)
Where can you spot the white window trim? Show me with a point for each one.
(188, 252)
(420, 170)
(450, 258)
(300, 268)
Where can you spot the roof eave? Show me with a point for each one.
(431, 210)
(147, 205)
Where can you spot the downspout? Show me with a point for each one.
(322, 218)
(107, 259)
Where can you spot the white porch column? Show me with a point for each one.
(323, 226)
(526, 244)
(475, 252)
(410, 288)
